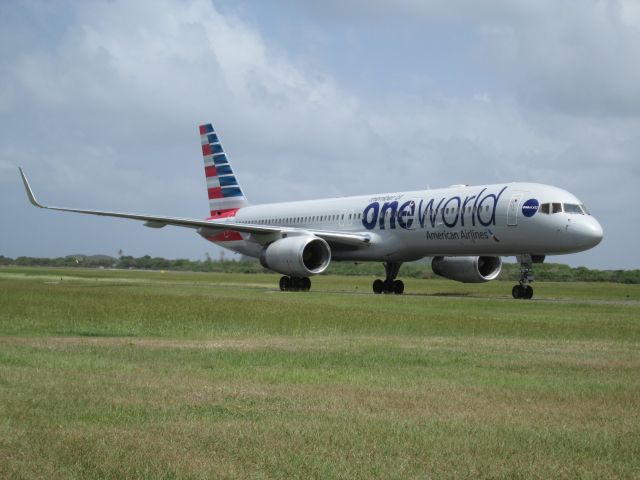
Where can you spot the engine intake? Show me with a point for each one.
(467, 269)
(301, 256)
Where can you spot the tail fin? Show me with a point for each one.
(225, 194)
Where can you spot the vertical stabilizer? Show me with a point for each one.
(224, 192)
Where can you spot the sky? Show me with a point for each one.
(100, 102)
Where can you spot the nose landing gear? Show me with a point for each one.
(390, 284)
(523, 290)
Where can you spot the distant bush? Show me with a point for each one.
(552, 272)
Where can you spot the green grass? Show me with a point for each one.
(119, 374)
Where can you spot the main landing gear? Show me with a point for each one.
(295, 284)
(523, 290)
(390, 284)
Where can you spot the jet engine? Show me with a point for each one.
(467, 269)
(300, 256)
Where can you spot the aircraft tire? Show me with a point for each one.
(284, 283)
(305, 284)
(388, 286)
(522, 292)
(378, 286)
(398, 287)
(516, 291)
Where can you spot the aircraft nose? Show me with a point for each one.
(588, 232)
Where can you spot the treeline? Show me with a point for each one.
(553, 272)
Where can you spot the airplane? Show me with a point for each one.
(466, 230)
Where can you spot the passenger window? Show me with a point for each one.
(557, 208)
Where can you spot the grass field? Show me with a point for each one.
(124, 374)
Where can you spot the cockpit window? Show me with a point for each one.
(584, 209)
(572, 208)
(563, 207)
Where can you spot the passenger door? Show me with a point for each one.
(512, 211)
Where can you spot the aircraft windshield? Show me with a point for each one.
(557, 207)
(573, 208)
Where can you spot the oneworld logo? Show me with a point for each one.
(530, 207)
(449, 212)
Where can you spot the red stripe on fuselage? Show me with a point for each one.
(226, 236)
(229, 212)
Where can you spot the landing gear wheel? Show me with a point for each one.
(299, 284)
(522, 291)
(295, 284)
(389, 284)
(517, 292)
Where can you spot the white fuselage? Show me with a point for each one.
(499, 220)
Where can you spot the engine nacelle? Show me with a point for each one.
(467, 269)
(300, 256)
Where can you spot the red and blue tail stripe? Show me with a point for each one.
(224, 191)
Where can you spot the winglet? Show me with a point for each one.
(32, 197)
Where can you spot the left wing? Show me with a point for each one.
(214, 226)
